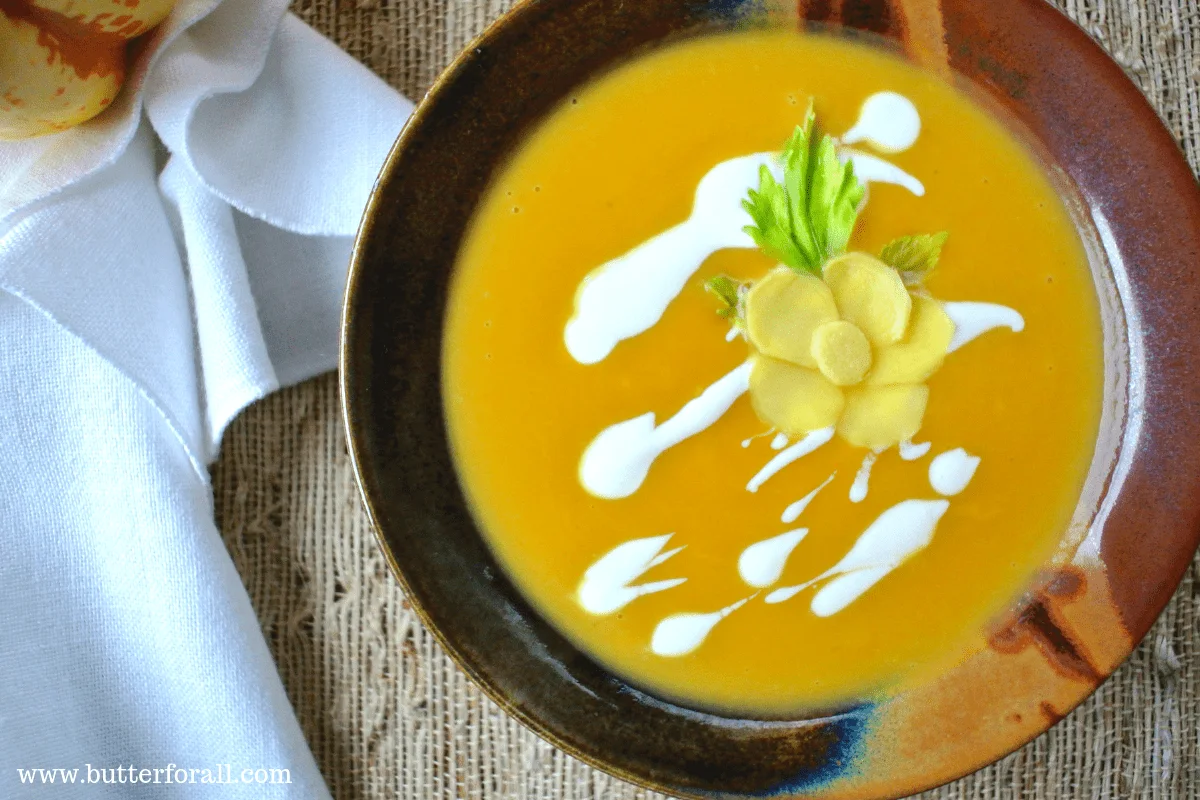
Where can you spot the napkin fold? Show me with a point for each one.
(161, 267)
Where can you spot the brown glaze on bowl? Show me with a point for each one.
(1138, 521)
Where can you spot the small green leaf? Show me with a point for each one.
(730, 293)
(835, 195)
(797, 167)
(807, 219)
(772, 229)
(914, 257)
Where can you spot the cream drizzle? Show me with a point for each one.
(800, 449)
(747, 442)
(761, 564)
(911, 452)
(872, 169)
(680, 634)
(894, 537)
(887, 121)
(795, 509)
(951, 471)
(606, 311)
(862, 480)
(972, 320)
(605, 586)
(618, 459)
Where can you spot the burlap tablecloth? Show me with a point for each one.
(386, 712)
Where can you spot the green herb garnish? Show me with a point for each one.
(730, 292)
(914, 257)
(807, 219)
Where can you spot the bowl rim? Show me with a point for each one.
(356, 437)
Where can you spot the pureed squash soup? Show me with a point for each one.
(772, 407)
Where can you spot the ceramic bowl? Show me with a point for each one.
(1138, 520)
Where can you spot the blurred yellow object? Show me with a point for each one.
(126, 19)
(62, 62)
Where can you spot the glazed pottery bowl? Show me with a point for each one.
(1137, 522)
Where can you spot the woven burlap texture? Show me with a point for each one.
(388, 715)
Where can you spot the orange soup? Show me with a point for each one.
(820, 479)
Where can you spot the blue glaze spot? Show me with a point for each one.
(736, 10)
(844, 744)
(835, 746)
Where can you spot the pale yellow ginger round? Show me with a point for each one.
(842, 352)
(793, 399)
(878, 417)
(921, 352)
(47, 83)
(124, 18)
(851, 351)
(870, 294)
(782, 311)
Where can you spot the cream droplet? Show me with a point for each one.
(605, 587)
(680, 634)
(761, 564)
(888, 121)
(862, 480)
(972, 320)
(795, 509)
(619, 458)
(951, 471)
(800, 449)
(894, 537)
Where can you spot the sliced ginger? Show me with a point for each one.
(793, 399)
(842, 352)
(870, 294)
(851, 349)
(921, 352)
(879, 417)
(782, 311)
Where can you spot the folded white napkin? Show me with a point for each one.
(150, 293)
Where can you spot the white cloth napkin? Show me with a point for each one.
(162, 266)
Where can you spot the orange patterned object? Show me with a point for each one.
(62, 62)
